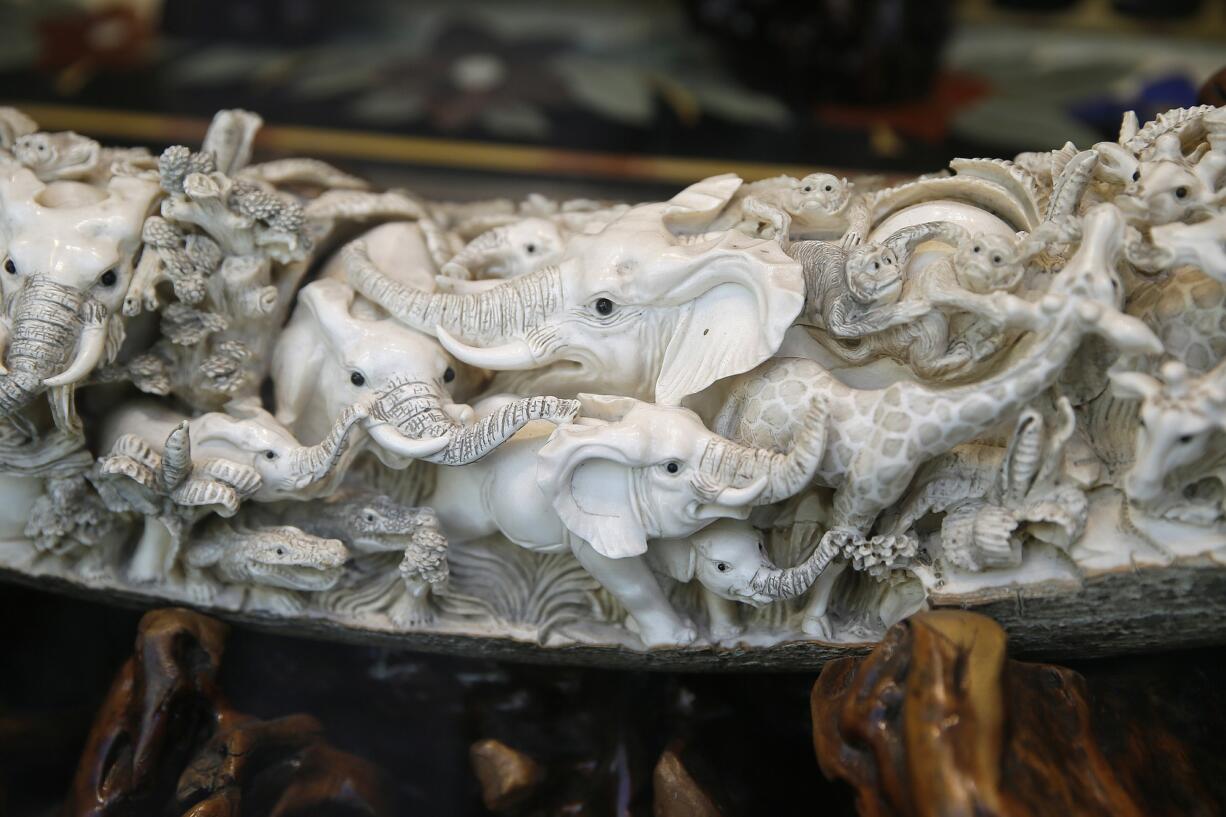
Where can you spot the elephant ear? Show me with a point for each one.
(297, 359)
(585, 473)
(694, 208)
(742, 296)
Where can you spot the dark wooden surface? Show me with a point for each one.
(1140, 732)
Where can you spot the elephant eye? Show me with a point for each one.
(672, 467)
(108, 278)
(357, 379)
(1184, 439)
(270, 455)
(722, 567)
(449, 375)
(603, 306)
(10, 267)
(369, 517)
(1181, 192)
(530, 248)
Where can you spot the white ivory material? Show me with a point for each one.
(756, 413)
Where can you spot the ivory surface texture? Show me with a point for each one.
(753, 425)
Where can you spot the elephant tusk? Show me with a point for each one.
(389, 438)
(742, 497)
(89, 352)
(462, 413)
(511, 356)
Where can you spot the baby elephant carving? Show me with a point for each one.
(610, 486)
(508, 251)
(728, 558)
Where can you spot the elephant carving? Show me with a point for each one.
(175, 469)
(69, 250)
(632, 309)
(336, 351)
(728, 559)
(508, 251)
(607, 487)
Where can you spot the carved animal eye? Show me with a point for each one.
(876, 265)
(280, 551)
(672, 467)
(975, 248)
(10, 267)
(530, 248)
(996, 259)
(1136, 175)
(270, 455)
(357, 379)
(1181, 192)
(368, 516)
(829, 188)
(603, 306)
(808, 188)
(448, 375)
(108, 278)
(1184, 439)
(722, 567)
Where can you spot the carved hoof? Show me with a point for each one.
(664, 634)
(411, 612)
(727, 632)
(820, 627)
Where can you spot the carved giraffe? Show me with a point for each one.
(1187, 311)
(878, 438)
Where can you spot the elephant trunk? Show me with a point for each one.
(474, 442)
(477, 254)
(416, 409)
(779, 583)
(47, 322)
(734, 465)
(488, 318)
(313, 463)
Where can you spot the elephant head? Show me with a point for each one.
(632, 309)
(337, 351)
(729, 558)
(68, 254)
(631, 471)
(508, 251)
(254, 440)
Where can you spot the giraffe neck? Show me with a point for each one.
(980, 406)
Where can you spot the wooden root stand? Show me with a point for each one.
(936, 722)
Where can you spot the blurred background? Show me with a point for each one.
(613, 97)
